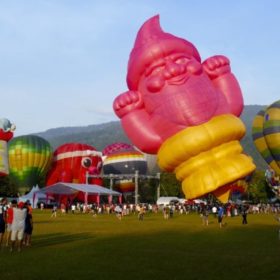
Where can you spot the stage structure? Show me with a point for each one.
(136, 176)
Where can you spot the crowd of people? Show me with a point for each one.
(219, 211)
(16, 224)
(229, 209)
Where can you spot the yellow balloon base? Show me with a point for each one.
(207, 157)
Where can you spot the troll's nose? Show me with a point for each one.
(173, 69)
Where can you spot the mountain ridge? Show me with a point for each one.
(101, 135)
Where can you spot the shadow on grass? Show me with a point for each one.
(59, 238)
(41, 222)
(187, 252)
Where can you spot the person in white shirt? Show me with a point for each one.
(214, 211)
(19, 215)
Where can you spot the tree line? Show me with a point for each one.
(257, 188)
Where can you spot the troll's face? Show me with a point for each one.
(175, 87)
(167, 72)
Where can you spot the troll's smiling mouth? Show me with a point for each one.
(178, 80)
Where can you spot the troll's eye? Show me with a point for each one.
(181, 60)
(86, 162)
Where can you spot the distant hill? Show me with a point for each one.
(101, 135)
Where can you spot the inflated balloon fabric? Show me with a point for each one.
(123, 159)
(169, 91)
(72, 162)
(29, 159)
(266, 135)
(6, 134)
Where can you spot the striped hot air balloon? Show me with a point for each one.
(266, 135)
(29, 160)
(121, 158)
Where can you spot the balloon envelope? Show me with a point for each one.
(71, 163)
(6, 134)
(29, 159)
(124, 160)
(266, 135)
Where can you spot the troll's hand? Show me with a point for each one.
(127, 102)
(216, 66)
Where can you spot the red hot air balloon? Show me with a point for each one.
(72, 161)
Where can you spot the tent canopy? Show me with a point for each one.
(166, 200)
(33, 196)
(71, 188)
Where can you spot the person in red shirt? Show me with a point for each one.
(10, 215)
(3, 203)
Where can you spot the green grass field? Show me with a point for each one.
(83, 247)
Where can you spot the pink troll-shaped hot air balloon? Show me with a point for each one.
(185, 111)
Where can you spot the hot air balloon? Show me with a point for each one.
(238, 188)
(72, 161)
(122, 158)
(29, 160)
(6, 134)
(185, 111)
(71, 164)
(266, 137)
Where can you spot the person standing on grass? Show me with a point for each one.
(73, 208)
(54, 211)
(28, 227)
(244, 212)
(277, 218)
(3, 217)
(220, 216)
(141, 213)
(204, 215)
(118, 211)
(18, 225)
(10, 216)
(166, 212)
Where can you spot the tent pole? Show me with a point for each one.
(158, 187)
(34, 197)
(86, 198)
(111, 181)
(110, 199)
(136, 187)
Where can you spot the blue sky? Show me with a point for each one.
(62, 62)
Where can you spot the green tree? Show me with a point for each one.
(7, 187)
(148, 190)
(169, 185)
(258, 190)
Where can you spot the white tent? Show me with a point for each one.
(34, 196)
(71, 188)
(166, 200)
